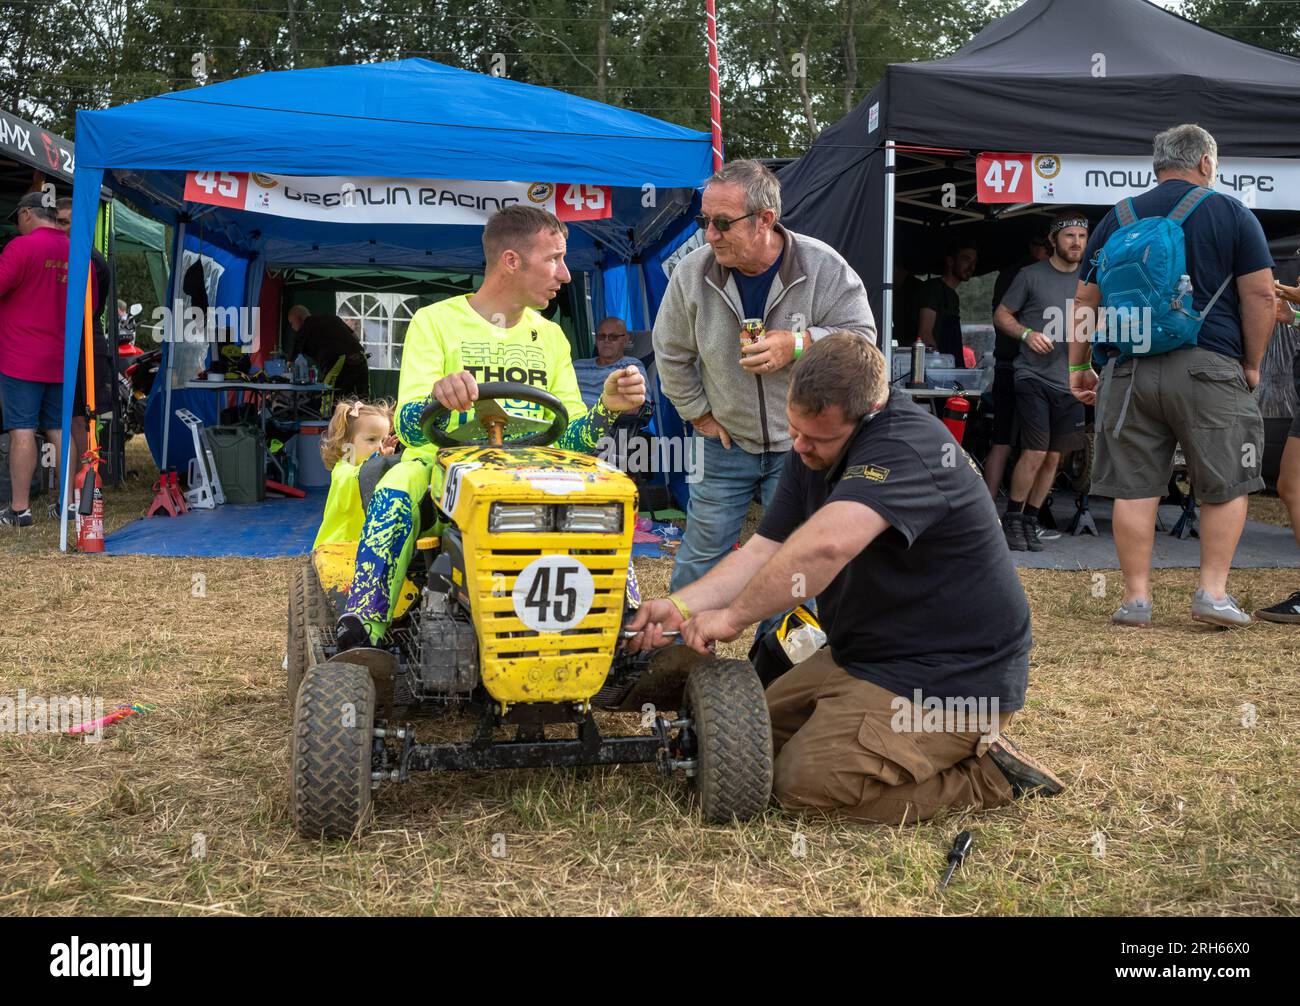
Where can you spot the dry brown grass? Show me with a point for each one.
(1198, 812)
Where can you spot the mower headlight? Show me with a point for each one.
(607, 519)
(507, 517)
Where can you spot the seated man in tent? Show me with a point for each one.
(450, 347)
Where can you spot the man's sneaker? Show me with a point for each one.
(1013, 526)
(1027, 777)
(1283, 611)
(351, 633)
(1136, 612)
(1032, 542)
(1045, 533)
(1223, 611)
(13, 518)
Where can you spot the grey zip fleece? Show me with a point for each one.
(697, 335)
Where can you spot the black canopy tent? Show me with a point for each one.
(1095, 78)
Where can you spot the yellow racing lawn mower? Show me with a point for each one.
(512, 615)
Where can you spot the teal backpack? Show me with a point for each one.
(1143, 267)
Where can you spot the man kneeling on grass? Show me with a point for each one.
(884, 518)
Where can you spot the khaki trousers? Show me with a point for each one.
(837, 751)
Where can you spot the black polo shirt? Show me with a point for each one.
(934, 603)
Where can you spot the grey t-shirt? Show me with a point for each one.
(1038, 298)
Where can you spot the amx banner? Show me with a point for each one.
(35, 147)
(341, 199)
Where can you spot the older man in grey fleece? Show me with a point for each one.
(734, 393)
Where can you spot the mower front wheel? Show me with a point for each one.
(733, 736)
(333, 733)
(308, 608)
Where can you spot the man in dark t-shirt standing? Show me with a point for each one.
(881, 515)
(1035, 311)
(336, 350)
(1198, 396)
(939, 319)
(1005, 351)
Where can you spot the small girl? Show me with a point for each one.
(357, 431)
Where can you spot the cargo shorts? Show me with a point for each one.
(1148, 405)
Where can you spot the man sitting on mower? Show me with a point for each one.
(494, 334)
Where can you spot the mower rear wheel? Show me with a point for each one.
(733, 733)
(333, 732)
(308, 607)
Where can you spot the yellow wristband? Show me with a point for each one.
(680, 605)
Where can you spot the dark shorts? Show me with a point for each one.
(1004, 403)
(31, 405)
(1048, 418)
(1193, 397)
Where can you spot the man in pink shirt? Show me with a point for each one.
(33, 293)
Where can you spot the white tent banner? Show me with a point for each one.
(340, 199)
(1260, 182)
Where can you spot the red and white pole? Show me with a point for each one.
(715, 103)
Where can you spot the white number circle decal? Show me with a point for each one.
(553, 592)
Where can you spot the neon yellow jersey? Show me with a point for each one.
(344, 514)
(450, 336)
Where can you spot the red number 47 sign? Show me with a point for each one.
(1003, 178)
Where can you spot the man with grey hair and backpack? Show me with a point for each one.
(1183, 279)
(729, 380)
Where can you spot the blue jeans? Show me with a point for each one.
(719, 503)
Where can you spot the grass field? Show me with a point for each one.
(1178, 745)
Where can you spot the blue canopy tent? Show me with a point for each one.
(409, 119)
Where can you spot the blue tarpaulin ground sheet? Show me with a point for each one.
(271, 529)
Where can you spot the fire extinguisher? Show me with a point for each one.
(90, 508)
(955, 411)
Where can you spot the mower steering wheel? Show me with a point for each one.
(436, 413)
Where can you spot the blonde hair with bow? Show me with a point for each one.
(342, 427)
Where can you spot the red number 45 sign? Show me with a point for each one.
(217, 188)
(1003, 178)
(583, 202)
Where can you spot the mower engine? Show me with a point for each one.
(448, 665)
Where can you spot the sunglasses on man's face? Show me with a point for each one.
(721, 223)
(608, 336)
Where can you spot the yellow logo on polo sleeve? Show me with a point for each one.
(873, 473)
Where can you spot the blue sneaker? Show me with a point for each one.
(13, 518)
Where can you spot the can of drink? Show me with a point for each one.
(751, 330)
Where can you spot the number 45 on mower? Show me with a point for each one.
(512, 613)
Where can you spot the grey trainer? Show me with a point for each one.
(1136, 612)
(1223, 611)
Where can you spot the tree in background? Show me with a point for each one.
(1267, 23)
(789, 67)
